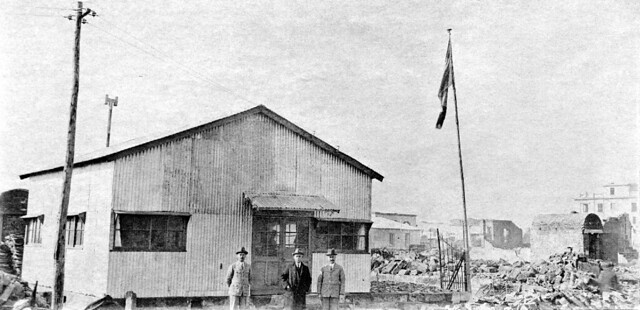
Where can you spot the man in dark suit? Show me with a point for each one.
(296, 279)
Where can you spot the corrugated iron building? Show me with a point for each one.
(163, 216)
(386, 233)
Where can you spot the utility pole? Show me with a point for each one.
(59, 253)
(111, 103)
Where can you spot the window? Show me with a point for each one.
(150, 233)
(634, 207)
(33, 229)
(392, 239)
(342, 236)
(585, 207)
(599, 207)
(407, 240)
(613, 205)
(74, 230)
(612, 190)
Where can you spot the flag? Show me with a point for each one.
(447, 81)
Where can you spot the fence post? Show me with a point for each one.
(439, 258)
(130, 300)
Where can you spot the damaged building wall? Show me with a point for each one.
(502, 234)
(553, 233)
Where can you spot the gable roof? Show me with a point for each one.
(384, 223)
(113, 152)
(571, 220)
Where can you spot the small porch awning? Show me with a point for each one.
(593, 231)
(284, 202)
(30, 216)
(152, 213)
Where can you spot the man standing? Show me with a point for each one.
(239, 281)
(331, 283)
(296, 279)
(608, 281)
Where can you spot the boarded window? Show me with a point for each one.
(150, 233)
(33, 230)
(342, 236)
(74, 230)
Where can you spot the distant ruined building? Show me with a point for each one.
(613, 201)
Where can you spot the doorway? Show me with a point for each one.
(276, 235)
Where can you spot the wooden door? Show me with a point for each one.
(275, 238)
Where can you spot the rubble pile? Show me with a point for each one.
(552, 284)
(404, 263)
(381, 287)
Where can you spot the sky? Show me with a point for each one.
(547, 90)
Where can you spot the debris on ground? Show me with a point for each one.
(380, 287)
(552, 284)
(404, 262)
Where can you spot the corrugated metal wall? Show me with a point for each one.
(206, 174)
(356, 270)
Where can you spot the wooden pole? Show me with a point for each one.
(112, 103)
(465, 230)
(59, 253)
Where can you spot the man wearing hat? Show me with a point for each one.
(239, 281)
(296, 279)
(331, 283)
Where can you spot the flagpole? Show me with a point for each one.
(467, 282)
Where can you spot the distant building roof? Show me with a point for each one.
(132, 146)
(383, 223)
(403, 214)
(571, 220)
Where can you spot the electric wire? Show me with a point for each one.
(167, 58)
(186, 69)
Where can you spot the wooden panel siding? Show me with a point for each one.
(91, 193)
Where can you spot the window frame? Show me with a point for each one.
(33, 231)
(149, 217)
(322, 240)
(71, 237)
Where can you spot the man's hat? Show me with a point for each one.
(297, 251)
(331, 252)
(242, 250)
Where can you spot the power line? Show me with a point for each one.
(165, 58)
(202, 76)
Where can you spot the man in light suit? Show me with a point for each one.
(331, 283)
(296, 279)
(239, 281)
